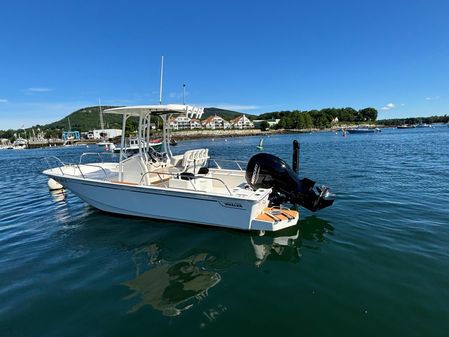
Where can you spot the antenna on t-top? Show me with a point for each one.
(183, 94)
(162, 75)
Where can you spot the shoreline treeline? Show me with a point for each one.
(414, 120)
(321, 119)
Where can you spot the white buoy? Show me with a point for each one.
(54, 185)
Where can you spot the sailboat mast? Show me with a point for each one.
(162, 75)
(101, 115)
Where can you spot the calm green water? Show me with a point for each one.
(376, 263)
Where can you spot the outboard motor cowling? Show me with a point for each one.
(268, 171)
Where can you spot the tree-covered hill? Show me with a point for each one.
(86, 119)
(226, 114)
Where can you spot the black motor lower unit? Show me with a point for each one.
(267, 171)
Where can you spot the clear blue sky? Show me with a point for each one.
(251, 56)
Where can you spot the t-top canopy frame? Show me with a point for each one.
(138, 110)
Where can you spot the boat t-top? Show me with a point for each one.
(190, 187)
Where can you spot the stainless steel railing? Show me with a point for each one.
(74, 166)
(98, 154)
(237, 163)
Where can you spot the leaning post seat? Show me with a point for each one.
(192, 161)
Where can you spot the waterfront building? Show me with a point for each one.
(271, 122)
(242, 122)
(180, 123)
(215, 122)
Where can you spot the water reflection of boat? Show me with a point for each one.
(58, 195)
(284, 245)
(172, 287)
(172, 274)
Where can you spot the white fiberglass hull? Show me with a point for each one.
(172, 205)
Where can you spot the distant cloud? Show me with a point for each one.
(428, 98)
(389, 106)
(402, 104)
(3, 100)
(36, 90)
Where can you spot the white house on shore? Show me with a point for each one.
(185, 123)
(180, 123)
(242, 122)
(215, 122)
(195, 124)
(271, 122)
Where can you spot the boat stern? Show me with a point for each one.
(273, 219)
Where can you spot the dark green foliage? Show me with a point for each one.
(8, 134)
(415, 120)
(321, 119)
(226, 114)
(87, 119)
(264, 126)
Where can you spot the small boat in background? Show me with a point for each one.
(363, 130)
(19, 144)
(260, 146)
(406, 126)
(133, 145)
(106, 146)
(424, 125)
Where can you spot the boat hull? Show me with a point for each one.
(361, 131)
(172, 205)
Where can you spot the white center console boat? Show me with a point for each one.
(190, 187)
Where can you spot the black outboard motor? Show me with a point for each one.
(267, 171)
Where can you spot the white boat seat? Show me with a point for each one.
(193, 160)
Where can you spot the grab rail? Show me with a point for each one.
(99, 154)
(93, 165)
(236, 162)
(57, 159)
(75, 166)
